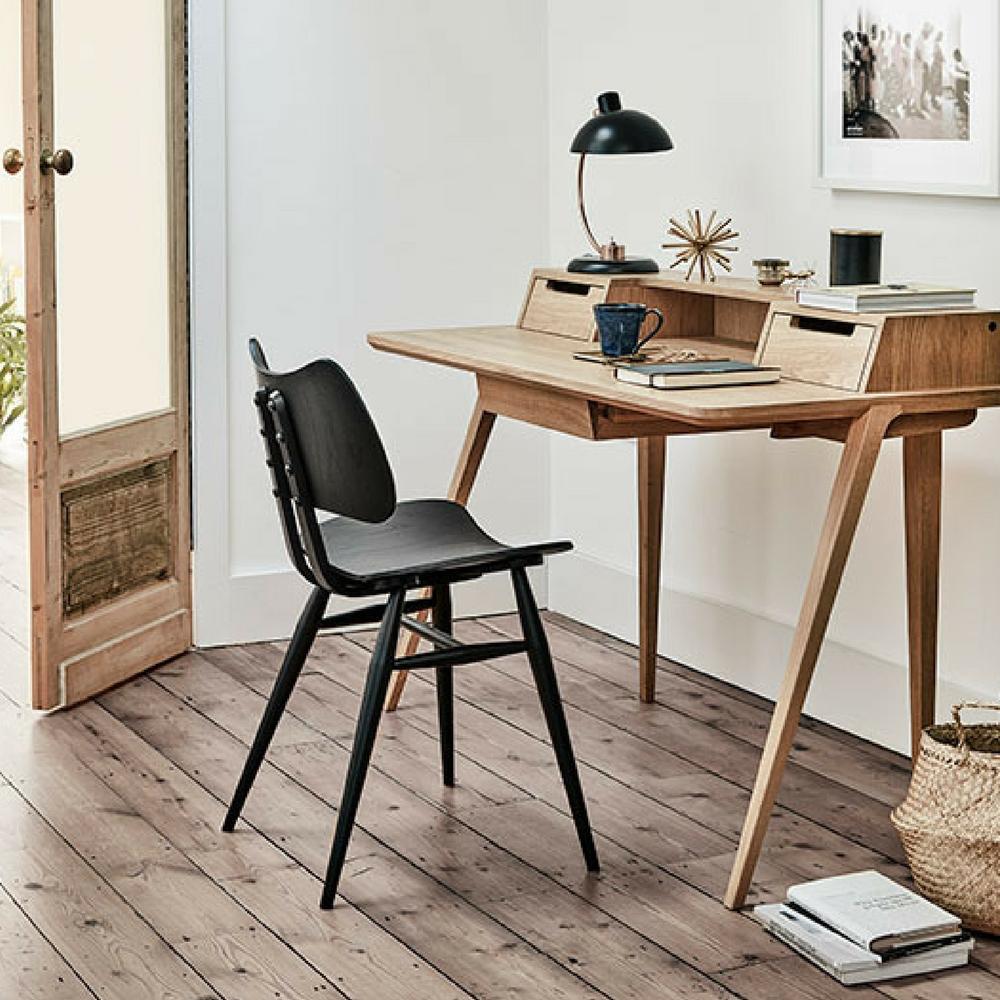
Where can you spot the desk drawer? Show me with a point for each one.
(563, 306)
(818, 349)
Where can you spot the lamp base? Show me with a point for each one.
(592, 264)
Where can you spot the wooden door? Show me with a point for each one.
(106, 293)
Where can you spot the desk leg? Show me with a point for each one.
(466, 469)
(846, 500)
(651, 467)
(922, 500)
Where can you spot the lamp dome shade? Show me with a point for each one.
(617, 130)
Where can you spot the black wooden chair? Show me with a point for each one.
(325, 454)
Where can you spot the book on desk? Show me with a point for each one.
(896, 297)
(696, 374)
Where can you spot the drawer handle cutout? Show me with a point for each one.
(817, 324)
(567, 287)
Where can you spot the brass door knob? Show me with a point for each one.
(61, 161)
(13, 161)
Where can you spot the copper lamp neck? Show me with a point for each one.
(608, 251)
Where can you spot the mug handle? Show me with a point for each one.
(656, 329)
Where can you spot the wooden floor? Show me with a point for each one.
(116, 882)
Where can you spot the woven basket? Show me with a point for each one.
(949, 822)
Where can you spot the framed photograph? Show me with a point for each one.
(909, 96)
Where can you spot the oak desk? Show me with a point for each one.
(855, 379)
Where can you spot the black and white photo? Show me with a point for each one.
(909, 95)
(905, 76)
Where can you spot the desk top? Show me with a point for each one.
(544, 360)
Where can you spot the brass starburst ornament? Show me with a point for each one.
(701, 244)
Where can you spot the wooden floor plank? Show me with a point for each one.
(30, 968)
(609, 955)
(14, 611)
(528, 763)
(112, 949)
(330, 709)
(793, 977)
(631, 801)
(884, 768)
(790, 978)
(626, 904)
(814, 788)
(115, 880)
(15, 672)
(853, 763)
(796, 846)
(682, 920)
(472, 949)
(364, 959)
(218, 939)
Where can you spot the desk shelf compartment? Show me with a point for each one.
(724, 318)
(739, 319)
(563, 306)
(700, 316)
(836, 352)
(883, 353)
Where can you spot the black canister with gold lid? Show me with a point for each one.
(855, 256)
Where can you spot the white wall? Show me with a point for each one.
(734, 81)
(356, 166)
(375, 165)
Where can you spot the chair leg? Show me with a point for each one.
(444, 681)
(295, 656)
(376, 687)
(548, 693)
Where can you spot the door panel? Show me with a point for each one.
(107, 423)
(112, 219)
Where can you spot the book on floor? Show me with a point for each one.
(874, 912)
(695, 374)
(901, 297)
(848, 962)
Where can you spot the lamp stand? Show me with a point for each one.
(610, 258)
(589, 264)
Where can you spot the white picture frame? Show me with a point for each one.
(947, 139)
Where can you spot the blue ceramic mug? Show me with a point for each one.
(620, 327)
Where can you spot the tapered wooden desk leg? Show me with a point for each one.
(850, 487)
(469, 459)
(651, 467)
(922, 501)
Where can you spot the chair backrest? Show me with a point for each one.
(324, 453)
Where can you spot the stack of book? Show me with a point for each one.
(901, 297)
(864, 928)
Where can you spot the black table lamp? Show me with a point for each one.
(614, 130)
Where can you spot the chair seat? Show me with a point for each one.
(422, 542)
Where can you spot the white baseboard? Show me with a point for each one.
(263, 606)
(851, 689)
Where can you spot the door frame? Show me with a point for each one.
(75, 659)
(233, 603)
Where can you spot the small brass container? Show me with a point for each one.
(771, 271)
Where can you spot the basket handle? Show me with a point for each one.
(956, 714)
